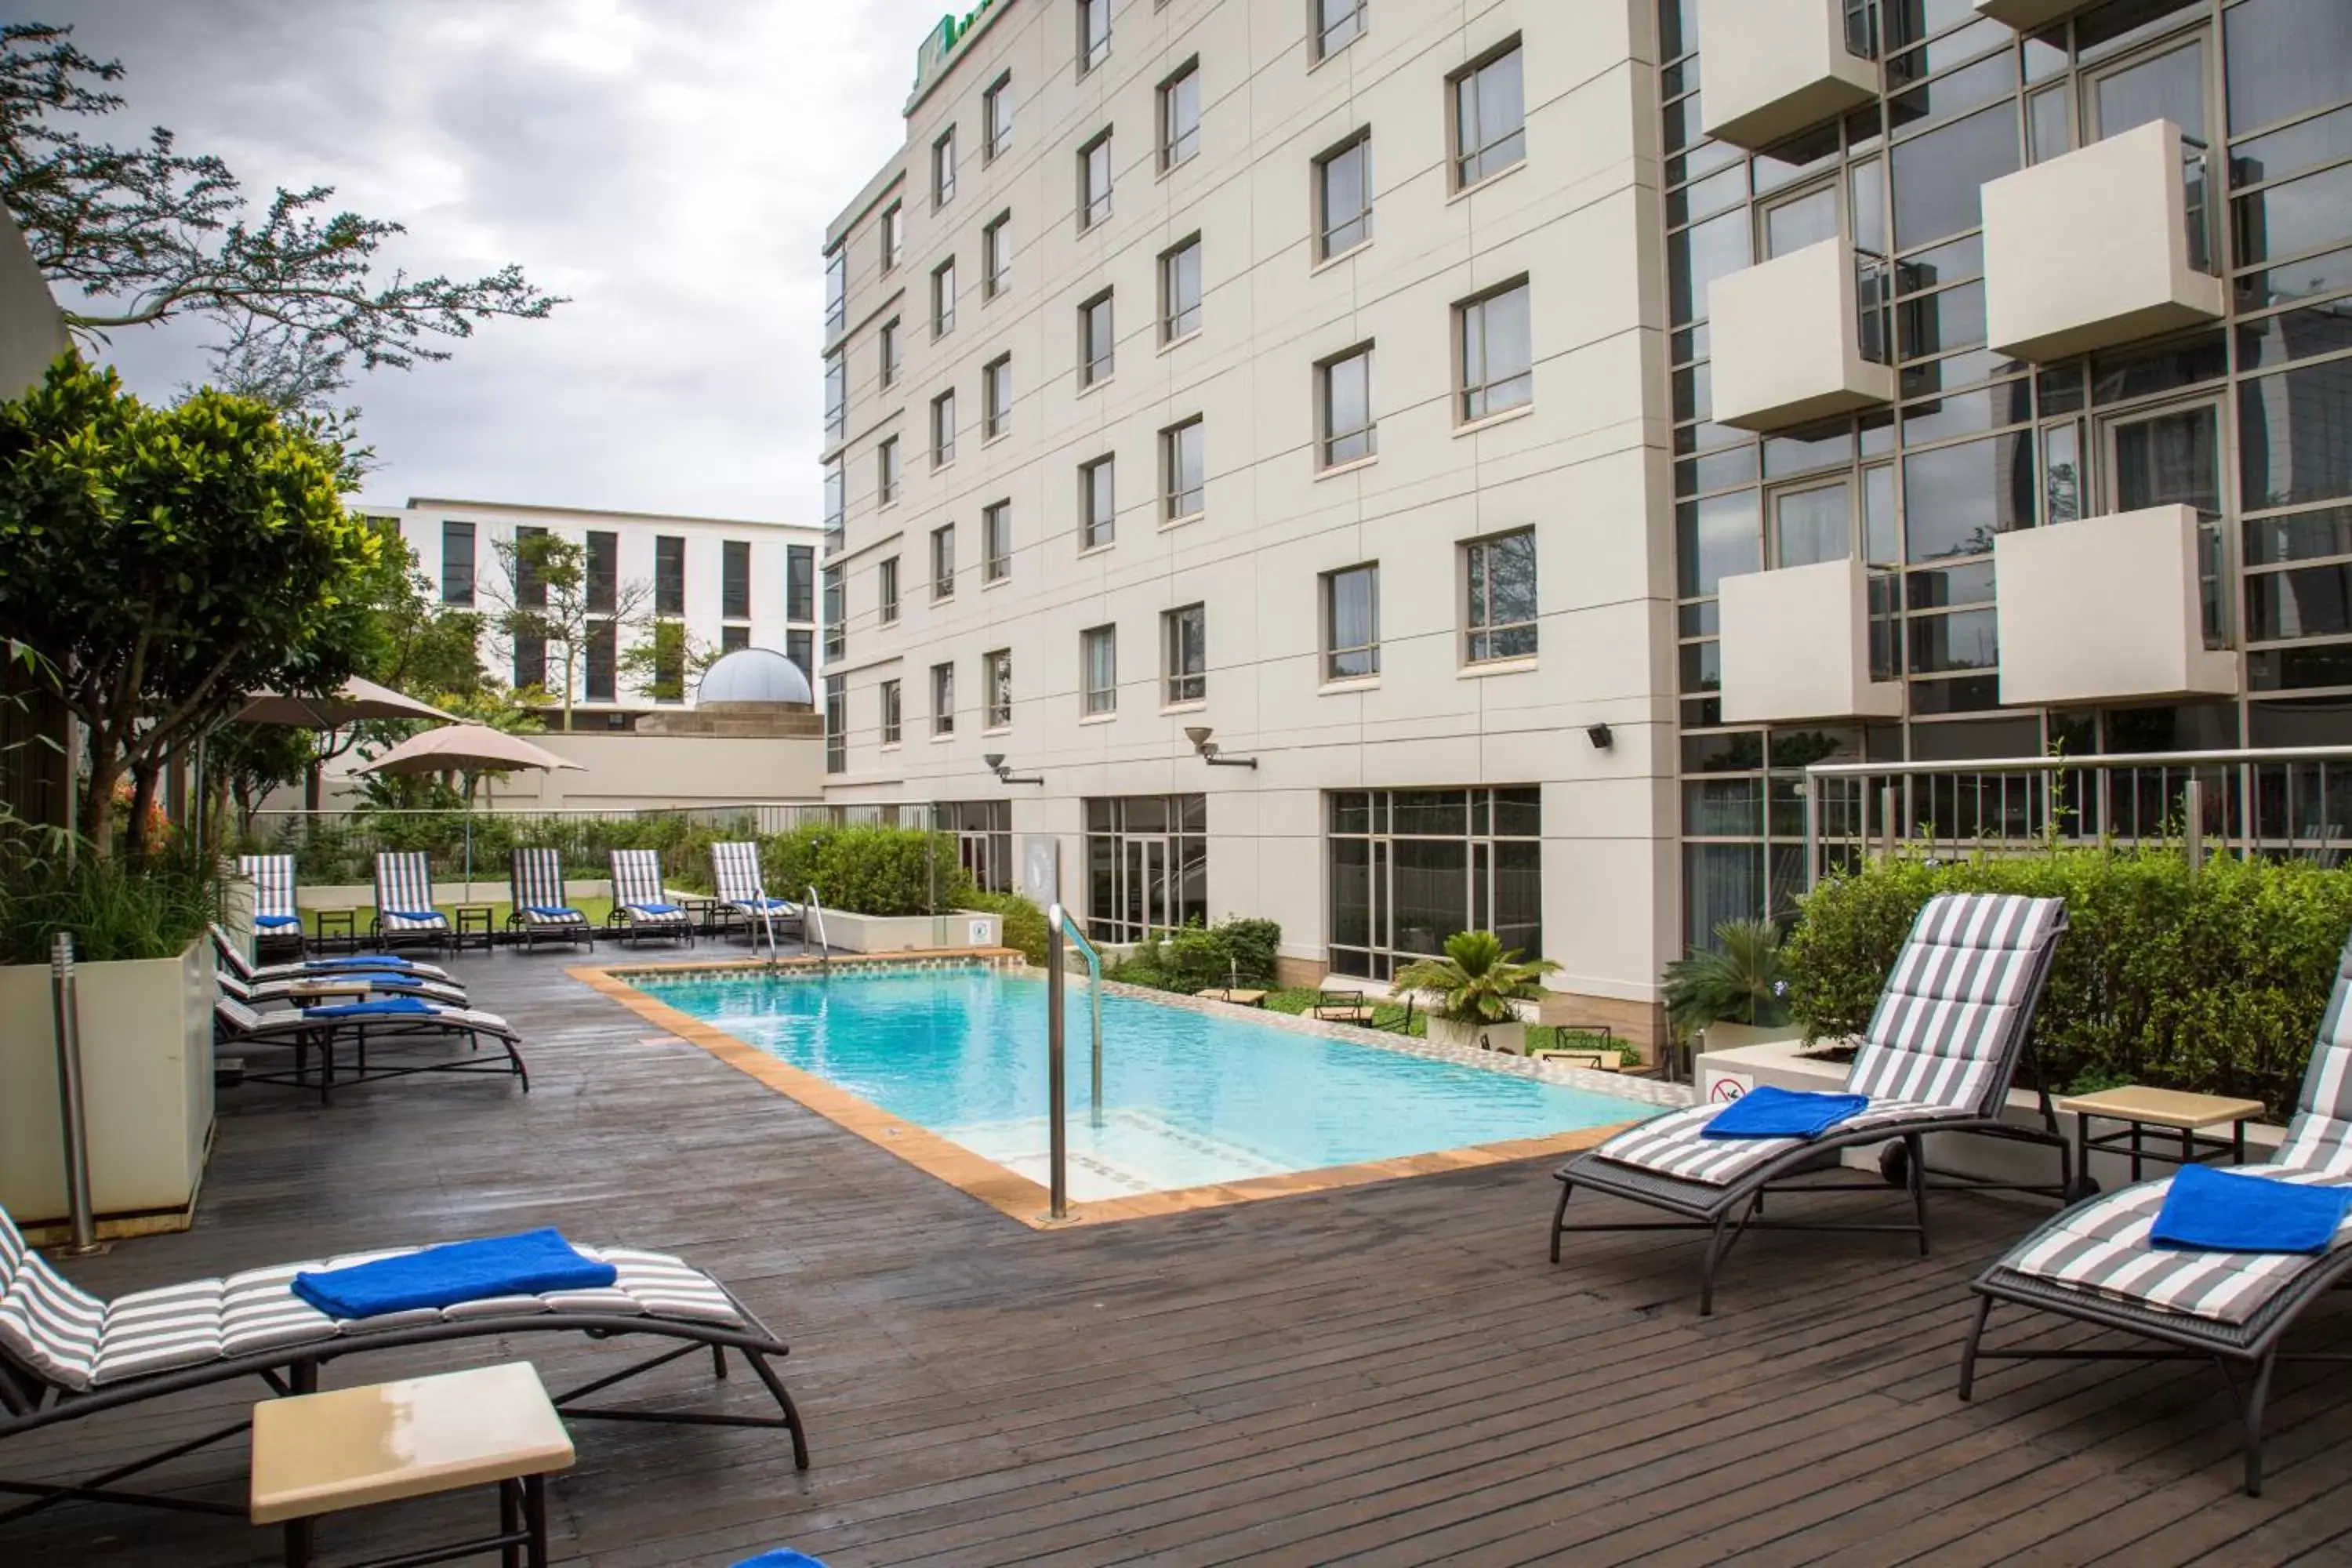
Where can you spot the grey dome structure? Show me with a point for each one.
(759, 675)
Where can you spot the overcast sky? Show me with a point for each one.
(669, 165)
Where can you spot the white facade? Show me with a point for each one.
(1583, 462)
(424, 524)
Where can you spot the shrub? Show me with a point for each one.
(1025, 922)
(2214, 984)
(113, 909)
(1739, 980)
(1204, 957)
(867, 869)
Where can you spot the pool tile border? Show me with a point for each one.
(1016, 1197)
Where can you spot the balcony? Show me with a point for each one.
(2102, 247)
(2128, 607)
(1778, 67)
(2029, 15)
(1799, 338)
(1797, 646)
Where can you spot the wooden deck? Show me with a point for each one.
(1380, 1375)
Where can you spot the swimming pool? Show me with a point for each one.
(1191, 1097)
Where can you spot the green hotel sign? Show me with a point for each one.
(933, 57)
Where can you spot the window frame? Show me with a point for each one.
(943, 429)
(893, 704)
(890, 348)
(995, 139)
(1474, 403)
(836, 394)
(1095, 206)
(943, 301)
(1098, 701)
(1328, 437)
(1093, 51)
(893, 227)
(995, 401)
(1181, 687)
(1360, 141)
(889, 472)
(1333, 654)
(1473, 626)
(1172, 493)
(1320, 31)
(1178, 146)
(1459, 158)
(1094, 370)
(1098, 532)
(996, 257)
(943, 168)
(943, 713)
(995, 520)
(886, 590)
(943, 563)
(996, 690)
(1174, 317)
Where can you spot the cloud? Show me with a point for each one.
(669, 165)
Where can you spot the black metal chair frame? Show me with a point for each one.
(30, 1402)
(1729, 1210)
(328, 1034)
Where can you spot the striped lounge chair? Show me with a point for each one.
(379, 982)
(232, 960)
(535, 880)
(1938, 1057)
(642, 907)
(397, 1021)
(2093, 1263)
(67, 1355)
(735, 873)
(404, 900)
(276, 922)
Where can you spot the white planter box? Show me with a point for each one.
(1511, 1037)
(850, 932)
(147, 1076)
(1729, 1037)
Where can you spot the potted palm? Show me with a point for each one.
(1735, 991)
(1476, 985)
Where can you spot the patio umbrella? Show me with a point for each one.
(467, 746)
(354, 700)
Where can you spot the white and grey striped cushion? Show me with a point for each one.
(46, 1323)
(384, 984)
(537, 877)
(405, 882)
(272, 877)
(735, 872)
(243, 1020)
(1673, 1145)
(638, 881)
(1948, 1026)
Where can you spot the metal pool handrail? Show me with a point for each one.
(1058, 927)
(824, 947)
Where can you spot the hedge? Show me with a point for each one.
(2214, 983)
(1202, 958)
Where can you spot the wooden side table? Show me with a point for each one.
(474, 924)
(338, 930)
(2170, 1110)
(317, 1454)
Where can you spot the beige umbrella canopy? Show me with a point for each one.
(355, 700)
(471, 747)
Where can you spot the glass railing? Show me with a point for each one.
(2214, 581)
(1862, 28)
(1873, 293)
(2197, 180)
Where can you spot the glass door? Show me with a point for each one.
(1147, 885)
(2171, 456)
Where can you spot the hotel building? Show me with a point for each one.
(1530, 432)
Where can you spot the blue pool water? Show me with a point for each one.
(1188, 1098)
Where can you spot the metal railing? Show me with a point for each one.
(2196, 180)
(1874, 293)
(2279, 802)
(815, 910)
(1062, 931)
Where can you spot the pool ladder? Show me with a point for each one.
(1061, 931)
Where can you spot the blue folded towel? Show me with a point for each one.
(1765, 1112)
(366, 1010)
(554, 911)
(2216, 1211)
(378, 960)
(761, 904)
(529, 1264)
(655, 909)
(274, 921)
(414, 914)
(786, 1558)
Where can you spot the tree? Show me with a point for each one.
(247, 761)
(660, 665)
(546, 594)
(164, 562)
(149, 234)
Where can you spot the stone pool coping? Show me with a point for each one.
(1018, 1198)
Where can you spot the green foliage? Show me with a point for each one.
(1025, 922)
(2214, 984)
(1740, 980)
(1204, 957)
(113, 908)
(666, 660)
(1478, 978)
(866, 869)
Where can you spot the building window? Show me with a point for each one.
(670, 575)
(1184, 653)
(996, 669)
(886, 587)
(894, 235)
(1093, 182)
(456, 563)
(800, 646)
(1097, 342)
(603, 661)
(733, 637)
(886, 471)
(943, 168)
(1343, 198)
(983, 835)
(800, 582)
(1180, 116)
(1094, 34)
(943, 562)
(1351, 622)
(890, 351)
(530, 574)
(943, 699)
(837, 396)
(1147, 865)
(943, 429)
(837, 724)
(837, 617)
(1498, 353)
(996, 256)
(530, 661)
(837, 291)
(996, 397)
(735, 580)
(837, 529)
(1412, 868)
(1179, 291)
(603, 572)
(1338, 24)
(996, 118)
(892, 719)
(1183, 467)
(1098, 662)
(943, 298)
(1349, 434)
(1097, 502)
(669, 661)
(1499, 586)
(996, 542)
(1490, 118)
